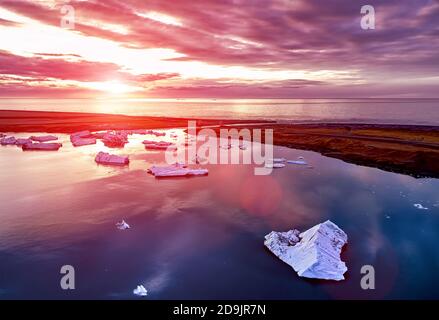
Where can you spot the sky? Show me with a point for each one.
(218, 49)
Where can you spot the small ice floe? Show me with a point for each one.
(140, 291)
(122, 225)
(111, 159)
(41, 146)
(160, 145)
(82, 138)
(8, 141)
(298, 162)
(279, 160)
(100, 134)
(43, 138)
(21, 141)
(420, 206)
(314, 253)
(275, 165)
(115, 140)
(139, 131)
(156, 133)
(176, 170)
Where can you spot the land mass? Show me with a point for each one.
(406, 149)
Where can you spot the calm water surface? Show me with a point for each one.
(396, 111)
(202, 238)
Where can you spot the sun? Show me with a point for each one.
(112, 87)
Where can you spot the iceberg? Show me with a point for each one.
(274, 165)
(82, 138)
(156, 133)
(161, 145)
(111, 159)
(78, 142)
(41, 146)
(314, 253)
(22, 141)
(115, 140)
(176, 170)
(140, 291)
(298, 162)
(43, 138)
(122, 225)
(7, 141)
(420, 206)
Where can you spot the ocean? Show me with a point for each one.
(383, 111)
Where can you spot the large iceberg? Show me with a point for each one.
(41, 146)
(176, 170)
(314, 253)
(111, 159)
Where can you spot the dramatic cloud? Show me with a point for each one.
(200, 47)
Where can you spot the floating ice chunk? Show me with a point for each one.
(274, 165)
(279, 160)
(82, 138)
(140, 291)
(160, 145)
(41, 146)
(81, 134)
(43, 138)
(111, 159)
(156, 133)
(100, 135)
(22, 141)
(139, 131)
(420, 206)
(78, 142)
(176, 170)
(8, 141)
(115, 140)
(314, 253)
(122, 225)
(298, 162)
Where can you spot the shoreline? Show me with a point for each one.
(407, 149)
